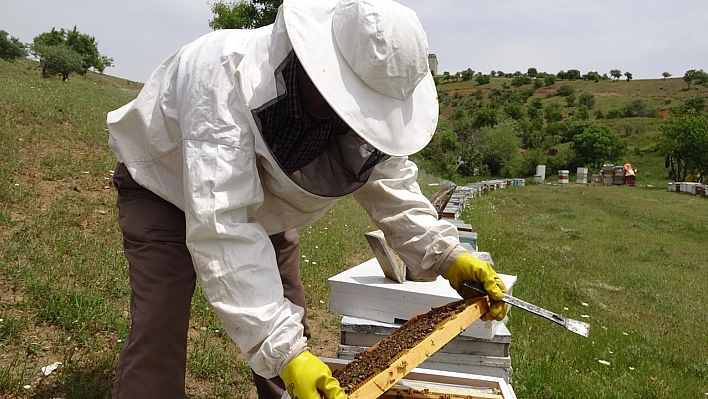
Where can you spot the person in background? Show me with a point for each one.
(240, 138)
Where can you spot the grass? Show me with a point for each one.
(636, 256)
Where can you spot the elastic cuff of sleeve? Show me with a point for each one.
(297, 349)
(445, 260)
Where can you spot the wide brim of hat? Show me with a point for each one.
(395, 127)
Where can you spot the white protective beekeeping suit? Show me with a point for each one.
(191, 137)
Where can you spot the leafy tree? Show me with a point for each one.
(570, 99)
(581, 114)
(565, 90)
(483, 79)
(514, 111)
(595, 76)
(83, 44)
(598, 144)
(521, 80)
(562, 75)
(628, 75)
(573, 74)
(553, 112)
(244, 14)
(446, 76)
(500, 147)
(59, 60)
(666, 75)
(692, 106)
(539, 82)
(550, 80)
(684, 141)
(11, 49)
(487, 116)
(616, 73)
(638, 109)
(587, 100)
(467, 74)
(536, 103)
(689, 77)
(699, 76)
(532, 72)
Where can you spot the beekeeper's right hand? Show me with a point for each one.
(467, 267)
(307, 377)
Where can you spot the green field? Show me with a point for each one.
(635, 256)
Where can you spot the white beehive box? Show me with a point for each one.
(363, 291)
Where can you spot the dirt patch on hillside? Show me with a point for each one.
(607, 94)
(468, 91)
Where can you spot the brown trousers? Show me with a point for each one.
(153, 360)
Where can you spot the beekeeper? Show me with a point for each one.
(241, 137)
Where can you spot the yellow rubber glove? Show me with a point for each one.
(307, 377)
(467, 267)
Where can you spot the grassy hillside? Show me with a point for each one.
(635, 256)
(657, 95)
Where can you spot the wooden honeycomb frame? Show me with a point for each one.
(409, 358)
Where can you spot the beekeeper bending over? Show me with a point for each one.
(243, 136)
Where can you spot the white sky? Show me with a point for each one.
(644, 37)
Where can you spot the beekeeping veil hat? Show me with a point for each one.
(369, 60)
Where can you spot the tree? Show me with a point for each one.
(514, 111)
(446, 76)
(684, 142)
(500, 147)
(666, 75)
(628, 75)
(59, 60)
(553, 112)
(573, 74)
(594, 76)
(467, 74)
(483, 79)
(616, 73)
(83, 44)
(689, 77)
(570, 99)
(587, 99)
(532, 72)
(11, 49)
(598, 144)
(692, 106)
(550, 80)
(565, 90)
(486, 117)
(244, 14)
(581, 114)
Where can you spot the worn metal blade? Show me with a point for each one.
(575, 326)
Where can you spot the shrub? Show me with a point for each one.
(11, 49)
(565, 90)
(587, 99)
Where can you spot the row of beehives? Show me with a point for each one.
(463, 194)
(689, 187)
